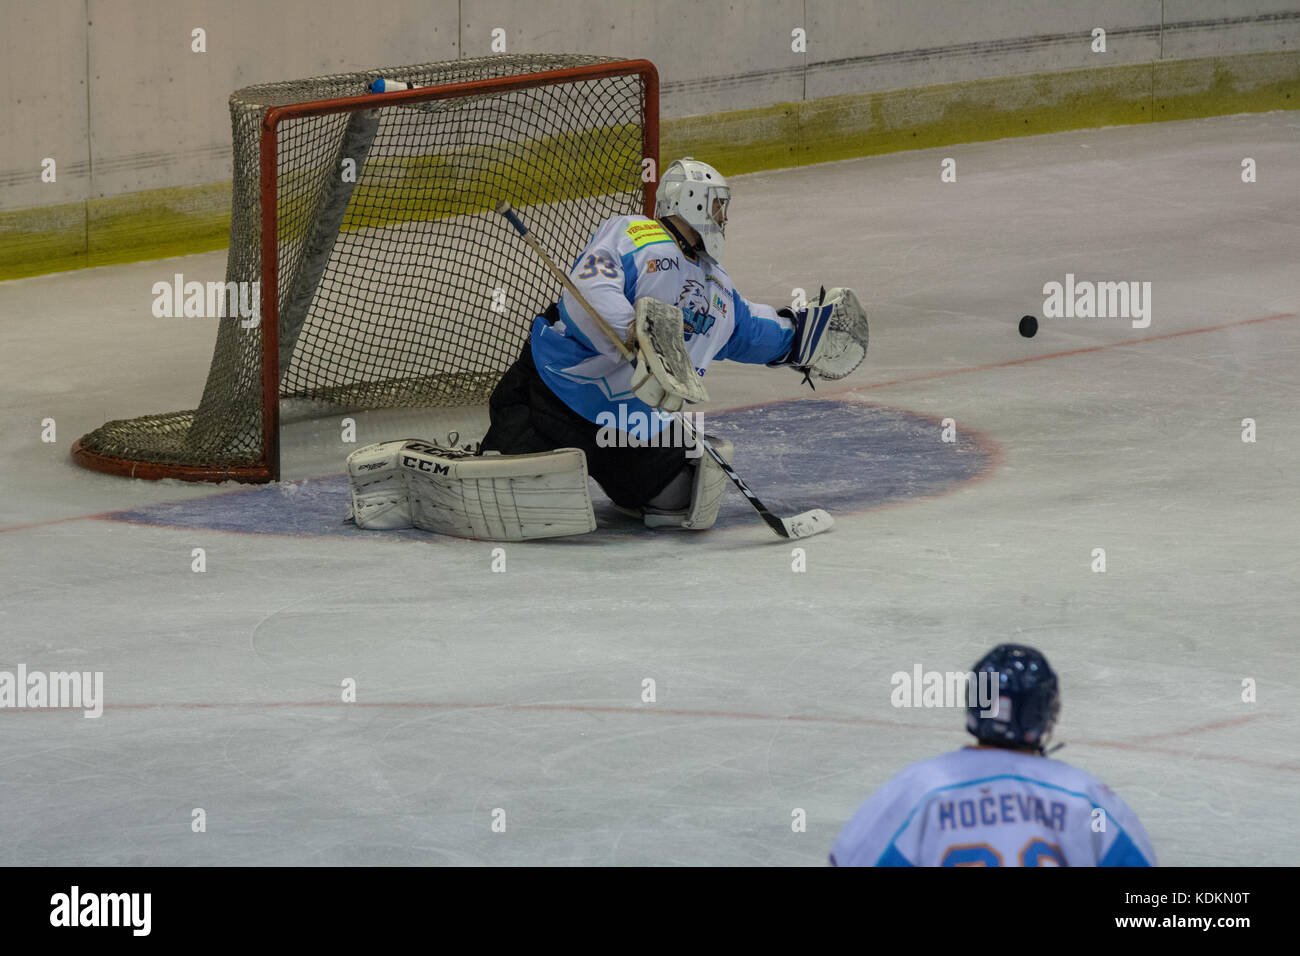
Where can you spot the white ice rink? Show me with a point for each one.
(523, 690)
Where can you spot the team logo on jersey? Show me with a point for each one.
(695, 305)
(692, 296)
(696, 322)
(667, 264)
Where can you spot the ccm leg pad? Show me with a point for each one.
(490, 497)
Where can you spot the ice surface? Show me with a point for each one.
(522, 690)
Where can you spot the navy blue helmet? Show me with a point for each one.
(1029, 699)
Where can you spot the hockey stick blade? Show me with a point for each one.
(808, 523)
(803, 525)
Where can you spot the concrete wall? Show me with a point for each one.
(113, 90)
(138, 124)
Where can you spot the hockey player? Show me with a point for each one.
(573, 403)
(570, 379)
(1001, 802)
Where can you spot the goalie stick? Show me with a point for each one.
(803, 525)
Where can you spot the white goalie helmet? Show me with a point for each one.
(699, 194)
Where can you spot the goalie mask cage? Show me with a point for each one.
(389, 280)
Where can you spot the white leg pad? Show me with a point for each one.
(709, 483)
(492, 497)
(380, 500)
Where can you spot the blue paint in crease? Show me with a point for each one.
(821, 453)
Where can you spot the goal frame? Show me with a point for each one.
(267, 469)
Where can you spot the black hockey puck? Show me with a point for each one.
(1028, 326)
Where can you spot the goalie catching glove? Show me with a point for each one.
(830, 338)
(664, 376)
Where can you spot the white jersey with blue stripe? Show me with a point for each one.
(993, 807)
(630, 257)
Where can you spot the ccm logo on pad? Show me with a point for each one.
(424, 464)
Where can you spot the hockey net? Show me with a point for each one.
(385, 277)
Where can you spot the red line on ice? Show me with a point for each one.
(1139, 744)
(1054, 355)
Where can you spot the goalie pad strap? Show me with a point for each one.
(401, 484)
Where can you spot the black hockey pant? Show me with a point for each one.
(528, 417)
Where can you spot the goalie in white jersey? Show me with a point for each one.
(573, 404)
(571, 381)
(1002, 802)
